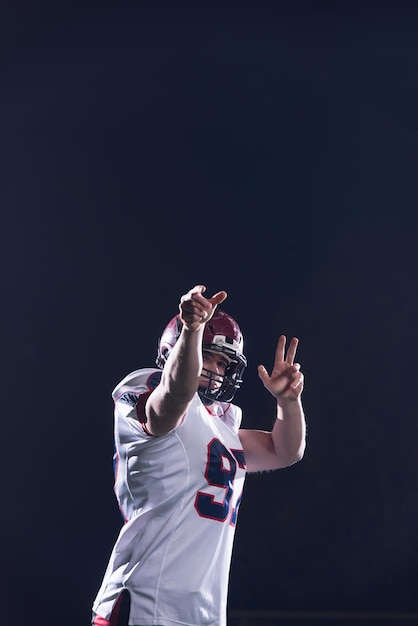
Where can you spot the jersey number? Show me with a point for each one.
(220, 472)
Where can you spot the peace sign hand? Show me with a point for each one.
(286, 379)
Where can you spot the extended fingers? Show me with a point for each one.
(280, 357)
(280, 349)
(291, 352)
(218, 297)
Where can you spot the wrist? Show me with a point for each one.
(289, 401)
(192, 328)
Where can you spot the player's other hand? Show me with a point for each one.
(286, 380)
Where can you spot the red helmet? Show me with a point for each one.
(221, 334)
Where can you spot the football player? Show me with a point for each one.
(180, 463)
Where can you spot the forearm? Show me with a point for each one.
(289, 431)
(284, 445)
(181, 373)
(179, 382)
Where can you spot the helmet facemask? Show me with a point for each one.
(230, 381)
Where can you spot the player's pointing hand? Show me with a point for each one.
(195, 309)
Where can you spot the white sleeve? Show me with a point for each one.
(130, 396)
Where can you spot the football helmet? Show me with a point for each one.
(222, 334)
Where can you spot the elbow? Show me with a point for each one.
(300, 453)
(296, 456)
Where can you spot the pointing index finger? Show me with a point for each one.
(219, 297)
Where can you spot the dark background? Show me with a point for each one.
(266, 148)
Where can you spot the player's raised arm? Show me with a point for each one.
(180, 378)
(285, 444)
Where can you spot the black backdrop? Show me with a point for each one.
(269, 149)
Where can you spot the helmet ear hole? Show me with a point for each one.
(170, 335)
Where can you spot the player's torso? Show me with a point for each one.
(201, 463)
(181, 493)
(199, 467)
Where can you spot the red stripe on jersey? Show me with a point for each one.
(145, 429)
(140, 411)
(140, 406)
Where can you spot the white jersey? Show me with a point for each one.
(179, 495)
